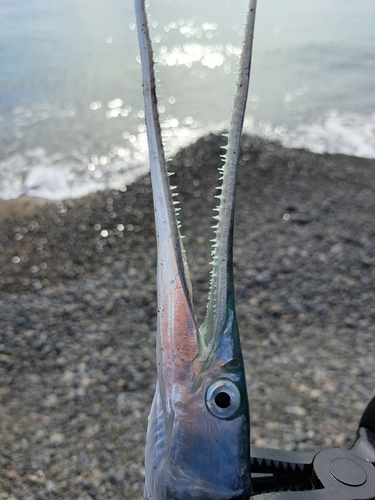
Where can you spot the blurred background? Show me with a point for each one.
(71, 110)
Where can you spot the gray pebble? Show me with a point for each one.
(77, 338)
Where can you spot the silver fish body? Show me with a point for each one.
(199, 427)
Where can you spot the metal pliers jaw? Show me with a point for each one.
(333, 474)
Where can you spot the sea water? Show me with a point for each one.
(71, 106)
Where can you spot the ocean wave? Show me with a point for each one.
(346, 133)
(58, 177)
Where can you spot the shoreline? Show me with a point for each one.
(93, 221)
(24, 205)
(78, 315)
(31, 203)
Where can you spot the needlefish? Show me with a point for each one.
(198, 437)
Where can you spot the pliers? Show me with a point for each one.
(332, 474)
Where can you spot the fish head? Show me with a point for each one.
(198, 444)
(209, 437)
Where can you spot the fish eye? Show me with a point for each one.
(223, 398)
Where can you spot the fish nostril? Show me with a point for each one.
(222, 400)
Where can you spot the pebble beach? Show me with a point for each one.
(78, 314)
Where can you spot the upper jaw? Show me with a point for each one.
(175, 311)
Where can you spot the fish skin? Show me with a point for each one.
(197, 448)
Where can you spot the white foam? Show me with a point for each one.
(36, 174)
(345, 133)
(55, 177)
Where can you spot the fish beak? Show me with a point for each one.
(199, 422)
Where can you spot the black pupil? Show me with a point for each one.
(222, 400)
